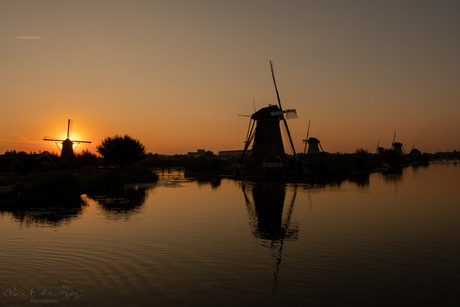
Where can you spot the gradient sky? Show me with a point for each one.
(176, 74)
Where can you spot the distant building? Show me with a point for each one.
(231, 153)
(198, 153)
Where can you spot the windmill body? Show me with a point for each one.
(313, 146)
(415, 152)
(67, 151)
(268, 144)
(397, 146)
(380, 149)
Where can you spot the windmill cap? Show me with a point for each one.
(266, 113)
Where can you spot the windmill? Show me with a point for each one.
(313, 143)
(264, 131)
(414, 151)
(380, 149)
(396, 146)
(67, 150)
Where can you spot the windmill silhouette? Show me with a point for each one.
(379, 149)
(414, 152)
(396, 146)
(67, 150)
(264, 131)
(313, 143)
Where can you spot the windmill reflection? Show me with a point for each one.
(393, 175)
(270, 221)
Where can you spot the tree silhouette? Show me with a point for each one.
(122, 150)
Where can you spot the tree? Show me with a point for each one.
(121, 150)
(86, 158)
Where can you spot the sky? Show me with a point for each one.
(176, 74)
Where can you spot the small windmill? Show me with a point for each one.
(314, 144)
(67, 150)
(264, 131)
(396, 146)
(380, 149)
(414, 151)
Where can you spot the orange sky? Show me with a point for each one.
(176, 74)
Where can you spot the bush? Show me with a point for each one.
(122, 150)
(138, 174)
(101, 181)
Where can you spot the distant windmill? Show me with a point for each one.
(380, 149)
(313, 143)
(67, 144)
(414, 152)
(396, 146)
(264, 131)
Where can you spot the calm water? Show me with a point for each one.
(389, 239)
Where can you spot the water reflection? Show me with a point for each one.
(266, 211)
(215, 182)
(128, 199)
(393, 174)
(269, 220)
(361, 180)
(54, 216)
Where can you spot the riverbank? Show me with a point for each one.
(65, 187)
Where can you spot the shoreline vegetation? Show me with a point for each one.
(63, 182)
(64, 187)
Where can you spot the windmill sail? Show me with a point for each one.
(281, 109)
(306, 140)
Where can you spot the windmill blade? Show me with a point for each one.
(394, 138)
(276, 113)
(81, 141)
(291, 114)
(284, 119)
(276, 88)
(68, 128)
(54, 140)
(306, 140)
(321, 147)
(290, 139)
(244, 115)
(249, 138)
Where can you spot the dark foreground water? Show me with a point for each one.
(387, 240)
